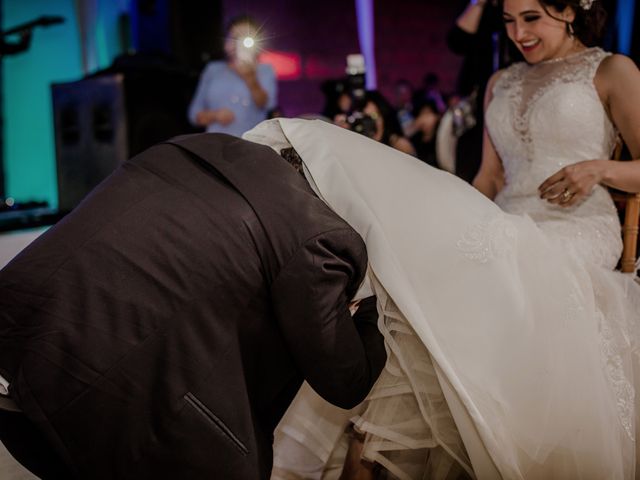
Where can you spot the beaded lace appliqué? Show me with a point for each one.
(513, 80)
(490, 239)
(624, 391)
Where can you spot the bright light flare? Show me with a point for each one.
(248, 42)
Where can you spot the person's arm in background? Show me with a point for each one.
(461, 36)
(340, 357)
(199, 114)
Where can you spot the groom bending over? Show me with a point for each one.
(163, 327)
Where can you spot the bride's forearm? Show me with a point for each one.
(622, 175)
(486, 185)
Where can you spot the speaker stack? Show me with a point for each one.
(142, 99)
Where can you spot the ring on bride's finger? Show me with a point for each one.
(566, 195)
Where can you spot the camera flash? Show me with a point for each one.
(248, 42)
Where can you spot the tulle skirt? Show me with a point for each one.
(410, 429)
(510, 356)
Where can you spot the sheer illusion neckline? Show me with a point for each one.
(524, 85)
(566, 58)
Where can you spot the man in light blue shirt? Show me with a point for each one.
(235, 95)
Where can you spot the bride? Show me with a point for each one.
(513, 345)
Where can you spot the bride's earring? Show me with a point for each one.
(570, 30)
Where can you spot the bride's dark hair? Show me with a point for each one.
(587, 26)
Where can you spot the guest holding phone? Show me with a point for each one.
(235, 94)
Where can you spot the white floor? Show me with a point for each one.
(12, 470)
(11, 244)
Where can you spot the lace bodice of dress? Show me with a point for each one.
(543, 117)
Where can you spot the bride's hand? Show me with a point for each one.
(573, 183)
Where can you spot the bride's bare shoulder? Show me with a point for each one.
(616, 63)
(614, 72)
(618, 83)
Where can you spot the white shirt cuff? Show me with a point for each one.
(4, 386)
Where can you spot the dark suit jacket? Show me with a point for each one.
(163, 327)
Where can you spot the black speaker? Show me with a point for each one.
(142, 99)
(90, 134)
(103, 120)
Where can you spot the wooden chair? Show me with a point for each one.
(630, 203)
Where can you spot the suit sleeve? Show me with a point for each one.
(341, 357)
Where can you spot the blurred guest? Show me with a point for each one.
(453, 99)
(403, 91)
(430, 90)
(472, 36)
(388, 130)
(337, 100)
(235, 95)
(386, 127)
(426, 122)
(475, 36)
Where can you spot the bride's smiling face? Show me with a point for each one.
(535, 31)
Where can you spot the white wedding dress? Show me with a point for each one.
(512, 342)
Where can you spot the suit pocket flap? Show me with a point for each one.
(215, 422)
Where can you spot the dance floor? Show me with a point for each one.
(11, 243)
(10, 469)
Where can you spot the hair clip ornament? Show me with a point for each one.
(586, 4)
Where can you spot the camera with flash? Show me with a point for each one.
(246, 50)
(357, 120)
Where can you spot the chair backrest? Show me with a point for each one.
(631, 204)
